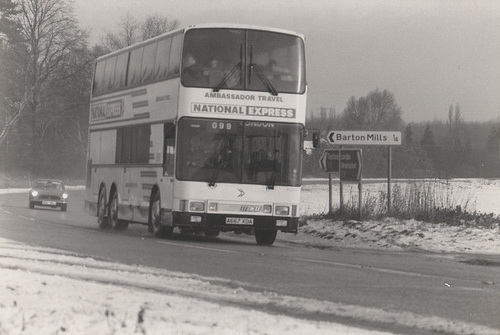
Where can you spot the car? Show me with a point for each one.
(48, 193)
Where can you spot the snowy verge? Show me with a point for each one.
(394, 234)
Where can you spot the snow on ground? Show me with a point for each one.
(481, 195)
(46, 291)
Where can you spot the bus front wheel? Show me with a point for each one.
(154, 224)
(265, 237)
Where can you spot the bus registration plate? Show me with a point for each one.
(243, 221)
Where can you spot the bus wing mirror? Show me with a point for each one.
(315, 139)
(312, 139)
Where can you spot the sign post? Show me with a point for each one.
(366, 137)
(389, 177)
(348, 164)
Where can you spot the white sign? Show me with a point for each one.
(364, 137)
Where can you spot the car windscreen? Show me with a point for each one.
(49, 185)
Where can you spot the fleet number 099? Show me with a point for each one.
(221, 125)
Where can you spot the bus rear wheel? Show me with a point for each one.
(154, 224)
(102, 220)
(265, 237)
(114, 221)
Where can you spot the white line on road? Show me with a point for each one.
(369, 267)
(198, 247)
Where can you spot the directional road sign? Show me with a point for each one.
(350, 163)
(364, 137)
(329, 160)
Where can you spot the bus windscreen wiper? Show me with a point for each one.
(263, 77)
(227, 76)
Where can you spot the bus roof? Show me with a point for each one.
(200, 26)
(244, 26)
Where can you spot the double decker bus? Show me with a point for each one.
(202, 129)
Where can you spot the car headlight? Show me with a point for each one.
(282, 210)
(34, 193)
(64, 195)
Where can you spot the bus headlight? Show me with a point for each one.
(34, 193)
(282, 210)
(64, 196)
(196, 206)
(268, 209)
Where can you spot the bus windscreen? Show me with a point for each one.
(243, 60)
(230, 151)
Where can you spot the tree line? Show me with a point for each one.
(46, 66)
(434, 149)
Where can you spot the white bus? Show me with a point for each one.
(202, 129)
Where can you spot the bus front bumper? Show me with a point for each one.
(222, 222)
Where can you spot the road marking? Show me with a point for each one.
(369, 267)
(197, 247)
(28, 218)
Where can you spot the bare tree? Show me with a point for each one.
(156, 24)
(131, 31)
(377, 111)
(8, 31)
(47, 36)
(128, 34)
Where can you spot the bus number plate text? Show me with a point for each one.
(242, 221)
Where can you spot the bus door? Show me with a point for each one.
(168, 165)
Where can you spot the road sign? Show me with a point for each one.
(350, 163)
(329, 160)
(348, 137)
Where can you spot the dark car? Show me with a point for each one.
(49, 193)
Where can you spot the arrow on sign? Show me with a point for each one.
(331, 137)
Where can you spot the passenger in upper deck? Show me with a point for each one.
(214, 73)
(274, 71)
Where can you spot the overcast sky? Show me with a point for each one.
(429, 53)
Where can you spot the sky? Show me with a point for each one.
(429, 53)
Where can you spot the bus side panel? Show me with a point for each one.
(102, 154)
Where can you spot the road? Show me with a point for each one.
(451, 287)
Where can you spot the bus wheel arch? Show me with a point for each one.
(102, 218)
(154, 222)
